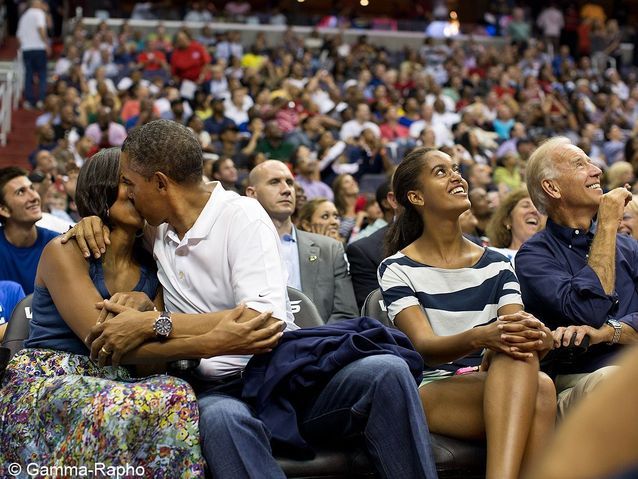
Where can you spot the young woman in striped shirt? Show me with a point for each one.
(455, 299)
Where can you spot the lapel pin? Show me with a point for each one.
(312, 258)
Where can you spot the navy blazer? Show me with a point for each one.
(365, 256)
(278, 383)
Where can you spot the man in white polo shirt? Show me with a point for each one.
(32, 33)
(215, 250)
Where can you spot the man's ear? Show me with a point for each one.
(416, 198)
(161, 181)
(250, 192)
(5, 212)
(551, 189)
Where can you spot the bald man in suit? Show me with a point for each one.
(316, 264)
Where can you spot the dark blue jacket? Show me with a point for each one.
(279, 383)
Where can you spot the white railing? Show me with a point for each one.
(5, 123)
(390, 39)
(11, 84)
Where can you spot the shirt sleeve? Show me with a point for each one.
(257, 273)
(13, 295)
(559, 296)
(41, 20)
(397, 292)
(509, 289)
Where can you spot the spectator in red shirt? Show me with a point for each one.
(152, 60)
(189, 59)
(391, 129)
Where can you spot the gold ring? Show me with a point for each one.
(105, 351)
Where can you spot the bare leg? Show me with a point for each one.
(454, 407)
(510, 392)
(495, 405)
(544, 420)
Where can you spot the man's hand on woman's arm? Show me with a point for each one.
(91, 234)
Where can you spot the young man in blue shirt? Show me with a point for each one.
(578, 275)
(21, 241)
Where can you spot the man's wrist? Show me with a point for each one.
(149, 323)
(616, 331)
(608, 334)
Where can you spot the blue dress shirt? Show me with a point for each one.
(290, 254)
(560, 288)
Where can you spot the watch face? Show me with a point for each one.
(163, 326)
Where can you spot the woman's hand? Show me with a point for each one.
(491, 339)
(133, 300)
(517, 335)
(125, 331)
(525, 333)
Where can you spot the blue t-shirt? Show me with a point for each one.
(21, 264)
(48, 330)
(11, 293)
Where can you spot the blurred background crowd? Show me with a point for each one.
(341, 110)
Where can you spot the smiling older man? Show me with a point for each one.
(578, 275)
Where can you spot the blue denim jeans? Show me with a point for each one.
(375, 397)
(35, 62)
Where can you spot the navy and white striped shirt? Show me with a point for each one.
(454, 300)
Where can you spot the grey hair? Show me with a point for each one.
(540, 166)
(166, 146)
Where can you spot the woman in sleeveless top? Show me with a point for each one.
(59, 407)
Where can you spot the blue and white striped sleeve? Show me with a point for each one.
(510, 290)
(397, 292)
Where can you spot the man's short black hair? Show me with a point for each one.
(382, 194)
(166, 146)
(6, 175)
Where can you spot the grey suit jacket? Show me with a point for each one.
(325, 278)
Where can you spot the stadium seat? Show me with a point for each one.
(18, 327)
(374, 307)
(304, 310)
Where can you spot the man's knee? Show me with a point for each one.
(383, 367)
(222, 414)
(382, 375)
(593, 379)
(567, 398)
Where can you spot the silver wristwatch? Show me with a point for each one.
(163, 325)
(617, 325)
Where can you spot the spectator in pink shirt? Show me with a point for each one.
(104, 132)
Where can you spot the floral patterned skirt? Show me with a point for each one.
(61, 409)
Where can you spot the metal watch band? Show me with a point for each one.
(617, 330)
